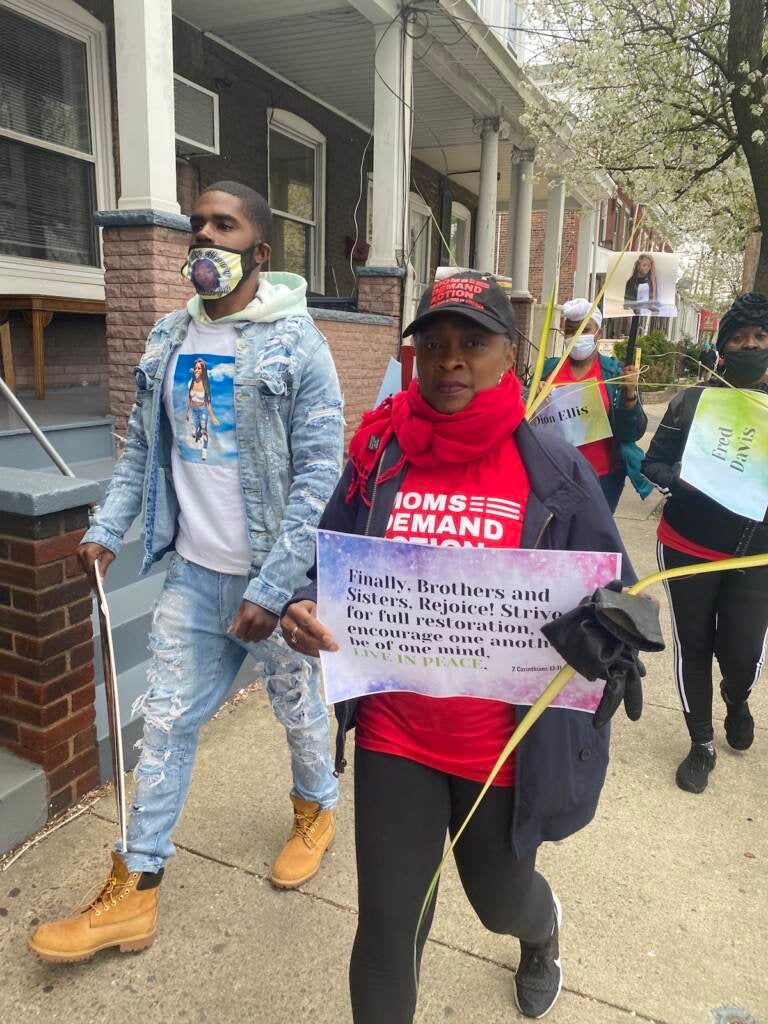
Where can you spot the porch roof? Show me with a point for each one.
(326, 47)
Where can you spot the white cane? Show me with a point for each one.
(113, 705)
(107, 647)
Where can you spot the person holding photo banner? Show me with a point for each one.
(722, 615)
(447, 462)
(613, 458)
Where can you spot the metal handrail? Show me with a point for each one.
(23, 415)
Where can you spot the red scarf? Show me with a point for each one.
(427, 437)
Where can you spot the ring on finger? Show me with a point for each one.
(295, 634)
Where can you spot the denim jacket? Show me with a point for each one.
(289, 427)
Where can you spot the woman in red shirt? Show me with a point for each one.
(458, 437)
(618, 456)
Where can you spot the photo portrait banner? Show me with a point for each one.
(644, 283)
(447, 622)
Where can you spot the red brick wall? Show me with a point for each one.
(568, 254)
(75, 351)
(380, 295)
(361, 353)
(536, 272)
(47, 710)
(569, 246)
(142, 284)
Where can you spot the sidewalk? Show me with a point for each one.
(664, 895)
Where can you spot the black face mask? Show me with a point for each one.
(744, 368)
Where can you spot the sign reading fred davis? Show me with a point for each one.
(726, 454)
(450, 621)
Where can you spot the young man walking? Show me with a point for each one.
(234, 447)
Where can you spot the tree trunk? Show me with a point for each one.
(749, 268)
(746, 29)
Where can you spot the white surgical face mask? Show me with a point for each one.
(583, 348)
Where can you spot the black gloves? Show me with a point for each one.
(600, 639)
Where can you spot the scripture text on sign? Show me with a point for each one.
(450, 621)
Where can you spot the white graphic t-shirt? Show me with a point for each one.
(198, 393)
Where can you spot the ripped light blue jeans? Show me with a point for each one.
(193, 665)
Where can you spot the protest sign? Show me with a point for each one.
(726, 454)
(644, 283)
(448, 622)
(575, 412)
(392, 382)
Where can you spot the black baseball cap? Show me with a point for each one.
(473, 295)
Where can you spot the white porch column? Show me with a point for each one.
(144, 67)
(485, 236)
(553, 240)
(584, 253)
(391, 144)
(595, 245)
(511, 216)
(520, 241)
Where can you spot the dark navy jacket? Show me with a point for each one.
(561, 764)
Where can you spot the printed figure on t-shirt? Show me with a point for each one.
(199, 410)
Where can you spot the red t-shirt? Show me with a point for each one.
(453, 506)
(601, 455)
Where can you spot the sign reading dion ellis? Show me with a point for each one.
(574, 412)
(448, 622)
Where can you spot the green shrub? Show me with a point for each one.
(658, 353)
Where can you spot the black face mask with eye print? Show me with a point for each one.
(747, 367)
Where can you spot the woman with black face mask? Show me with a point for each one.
(722, 615)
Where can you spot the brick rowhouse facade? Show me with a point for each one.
(142, 283)
(47, 694)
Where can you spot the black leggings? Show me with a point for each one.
(402, 813)
(722, 615)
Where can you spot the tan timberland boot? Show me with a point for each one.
(121, 915)
(312, 833)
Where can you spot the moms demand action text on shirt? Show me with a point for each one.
(450, 621)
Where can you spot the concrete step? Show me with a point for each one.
(86, 441)
(99, 470)
(126, 568)
(23, 799)
(130, 610)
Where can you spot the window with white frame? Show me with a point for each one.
(297, 197)
(369, 210)
(55, 143)
(618, 225)
(603, 233)
(461, 228)
(419, 251)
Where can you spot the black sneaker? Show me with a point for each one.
(693, 773)
(739, 723)
(539, 976)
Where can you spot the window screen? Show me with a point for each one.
(46, 205)
(48, 196)
(43, 83)
(291, 176)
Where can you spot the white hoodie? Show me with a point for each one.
(280, 295)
